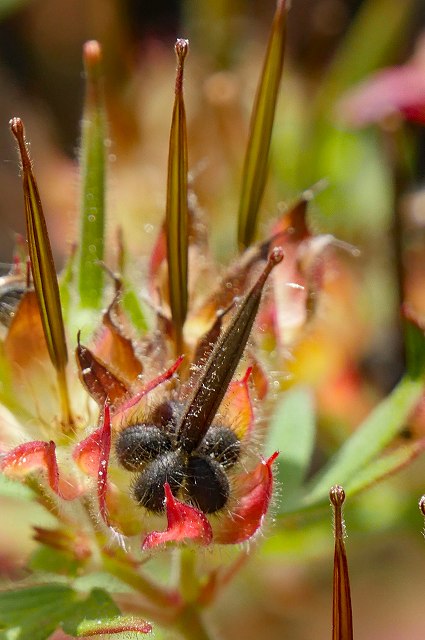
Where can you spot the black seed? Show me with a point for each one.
(166, 415)
(148, 489)
(207, 484)
(222, 444)
(140, 443)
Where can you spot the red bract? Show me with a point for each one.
(184, 523)
(38, 455)
(254, 492)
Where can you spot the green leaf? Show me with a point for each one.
(385, 466)
(262, 118)
(53, 561)
(414, 337)
(292, 431)
(177, 209)
(132, 306)
(92, 164)
(36, 612)
(373, 435)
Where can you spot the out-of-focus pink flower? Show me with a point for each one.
(393, 91)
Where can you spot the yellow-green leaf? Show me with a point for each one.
(257, 154)
(43, 271)
(177, 210)
(92, 164)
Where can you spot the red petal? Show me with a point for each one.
(184, 523)
(31, 456)
(256, 490)
(239, 411)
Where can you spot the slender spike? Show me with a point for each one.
(177, 209)
(342, 622)
(257, 154)
(44, 273)
(221, 365)
(92, 163)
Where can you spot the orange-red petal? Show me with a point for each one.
(183, 523)
(238, 406)
(255, 491)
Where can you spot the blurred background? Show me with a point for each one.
(374, 167)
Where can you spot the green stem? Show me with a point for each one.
(192, 626)
(157, 595)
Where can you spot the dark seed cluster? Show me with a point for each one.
(153, 451)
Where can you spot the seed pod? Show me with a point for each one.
(207, 484)
(221, 444)
(221, 365)
(139, 444)
(165, 415)
(148, 489)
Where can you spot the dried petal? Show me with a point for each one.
(212, 384)
(112, 346)
(342, 628)
(254, 492)
(24, 344)
(177, 209)
(100, 382)
(184, 523)
(31, 456)
(64, 540)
